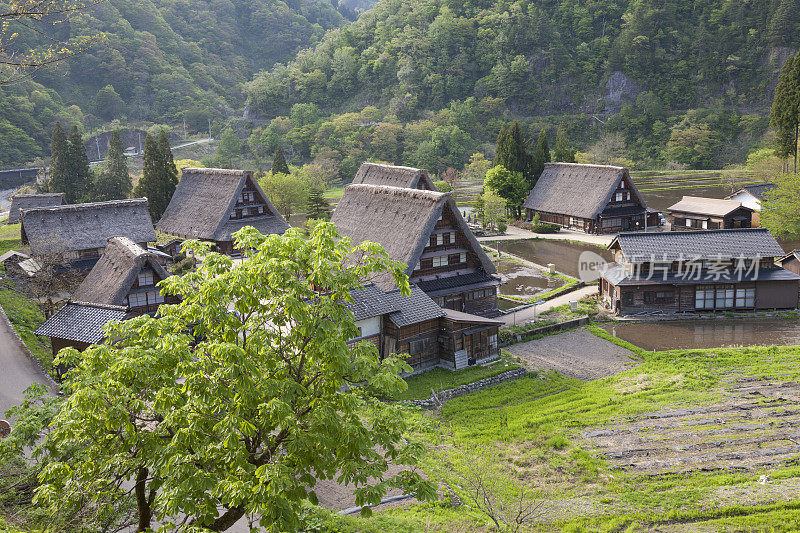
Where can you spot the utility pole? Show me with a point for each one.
(209, 129)
(140, 143)
(184, 129)
(97, 142)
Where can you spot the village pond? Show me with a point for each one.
(708, 333)
(563, 254)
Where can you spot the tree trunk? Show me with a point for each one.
(230, 517)
(142, 504)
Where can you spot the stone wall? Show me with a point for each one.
(448, 394)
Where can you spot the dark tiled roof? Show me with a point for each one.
(619, 275)
(415, 308)
(577, 190)
(81, 322)
(464, 281)
(758, 190)
(709, 244)
(371, 302)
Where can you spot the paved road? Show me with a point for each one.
(529, 313)
(17, 370)
(514, 233)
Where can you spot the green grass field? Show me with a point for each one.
(694, 440)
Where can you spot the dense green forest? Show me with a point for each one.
(643, 81)
(160, 62)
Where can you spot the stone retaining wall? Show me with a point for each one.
(24, 349)
(440, 397)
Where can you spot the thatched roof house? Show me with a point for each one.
(126, 275)
(393, 176)
(28, 201)
(83, 230)
(590, 198)
(424, 230)
(211, 204)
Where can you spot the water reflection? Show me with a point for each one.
(526, 281)
(561, 253)
(685, 334)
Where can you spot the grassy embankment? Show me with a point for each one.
(24, 315)
(690, 400)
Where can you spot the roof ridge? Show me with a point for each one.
(224, 171)
(400, 191)
(591, 165)
(99, 306)
(694, 232)
(87, 205)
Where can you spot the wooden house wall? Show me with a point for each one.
(447, 224)
(400, 339)
(792, 265)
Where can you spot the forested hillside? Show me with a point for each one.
(647, 78)
(161, 61)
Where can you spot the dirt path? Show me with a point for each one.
(530, 313)
(575, 353)
(515, 233)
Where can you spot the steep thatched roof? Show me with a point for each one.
(577, 190)
(85, 226)
(203, 201)
(699, 205)
(81, 322)
(114, 274)
(393, 176)
(399, 219)
(28, 201)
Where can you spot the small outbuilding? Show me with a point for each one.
(211, 204)
(79, 233)
(699, 213)
(751, 196)
(29, 201)
(589, 198)
(791, 261)
(393, 176)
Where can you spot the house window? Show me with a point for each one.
(665, 297)
(619, 196)
(419, 346)
(705, 224)
(462, 257)
(439, 239)
(725, 294)
(649, 297)
(440, 261)
(745, 297)
(704, 298)
(627, 298)
(145, 278)
(493, 343)
(621, 184)
(452, 237)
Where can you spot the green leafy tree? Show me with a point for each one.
(511, 186)
(692, 145)
(279, 165)
(563, 152)
(108, 103)
(785, 112)
(511, 152)
(79, 176)
(59, 160)
(780, 209)
(239, 399)
(477, 167)
(494, 207)
(113, 182)
(317, 206)
(229, 147)
(287, 192)
(159, 174)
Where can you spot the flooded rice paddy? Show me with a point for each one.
(708, 333)
(563, 254)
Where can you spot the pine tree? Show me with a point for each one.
(79, 176)
(511, 152)
(563, 152)
(785, 113)
(541, 155)
(316, 205)
(159, 174)
(279, 165)
(59, 160)
(114, 182)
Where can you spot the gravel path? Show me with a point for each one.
(577, 353)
